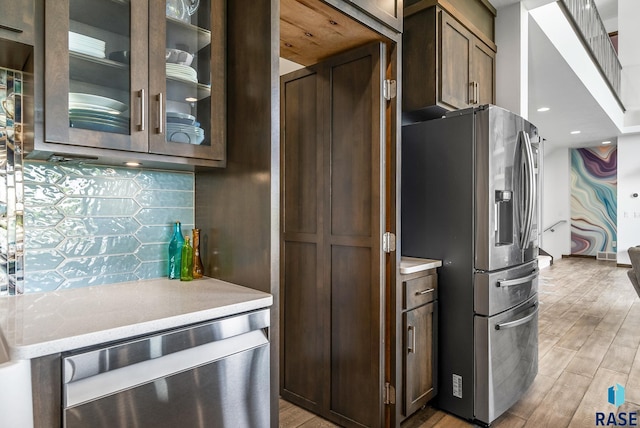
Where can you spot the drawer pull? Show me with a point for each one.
(15, 30)
(423, 292)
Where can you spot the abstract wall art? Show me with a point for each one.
(594, 200)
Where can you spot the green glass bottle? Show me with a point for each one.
(175, 251)
(186, 268)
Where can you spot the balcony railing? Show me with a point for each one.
(587, 21)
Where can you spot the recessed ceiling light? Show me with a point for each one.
(132, 163)
(606, 142)
(575, 132)
(543, 109)
(191, 99)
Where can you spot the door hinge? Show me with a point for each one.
(389, 393)
(388, 242)
(390, 89)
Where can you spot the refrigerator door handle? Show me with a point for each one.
(522, 188)
(531, 188)
(517, 281)
(528, 190)
(518, 322)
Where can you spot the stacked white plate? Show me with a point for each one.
(188, 134)
(183, 128)
(183, 118)
(86, 45)
(183, 72)
(97, 113)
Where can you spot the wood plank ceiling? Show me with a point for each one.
(311, 31)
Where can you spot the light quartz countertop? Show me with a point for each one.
(412, 265)
(38, 324)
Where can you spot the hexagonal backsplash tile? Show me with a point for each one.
(91, 225)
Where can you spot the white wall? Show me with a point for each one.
(556, 203)
(555, 25)
(628, 206)
(287, 66)
(629, 55)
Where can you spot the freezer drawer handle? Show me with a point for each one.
(517, 281)
(516, 323)
(423, 292)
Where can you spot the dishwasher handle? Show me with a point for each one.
(125, 378)
(91, 363)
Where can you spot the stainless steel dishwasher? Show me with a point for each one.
(214, 374)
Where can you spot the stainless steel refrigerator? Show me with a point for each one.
(469, 198)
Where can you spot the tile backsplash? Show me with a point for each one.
(90, 225)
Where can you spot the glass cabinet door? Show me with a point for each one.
(96, 83)
(187, 84)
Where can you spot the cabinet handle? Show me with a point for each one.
(423, 292)
(15, 30)
(412, 349)
(160, 99)
(474, 97)
(142, 103)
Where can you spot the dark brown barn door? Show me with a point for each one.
(332, 283)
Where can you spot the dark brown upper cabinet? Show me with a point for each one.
(141, 80)
(16, 21)
(449, 58)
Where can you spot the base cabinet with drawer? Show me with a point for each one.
(419, 321)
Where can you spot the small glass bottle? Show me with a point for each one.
(175, 252)
(197, 262)
(186, 268)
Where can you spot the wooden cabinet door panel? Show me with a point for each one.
(301, 154)
(455, 51)
(419, 58)
(354, 210)
(419, 357)
(355, 338)
(301, 313)
(206, 41)
(302, 288)
(67, 72)
(351, 152)
(332, 151)
(483, 71)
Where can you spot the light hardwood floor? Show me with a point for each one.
(589, 339)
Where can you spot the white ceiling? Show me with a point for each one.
(553, 84)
